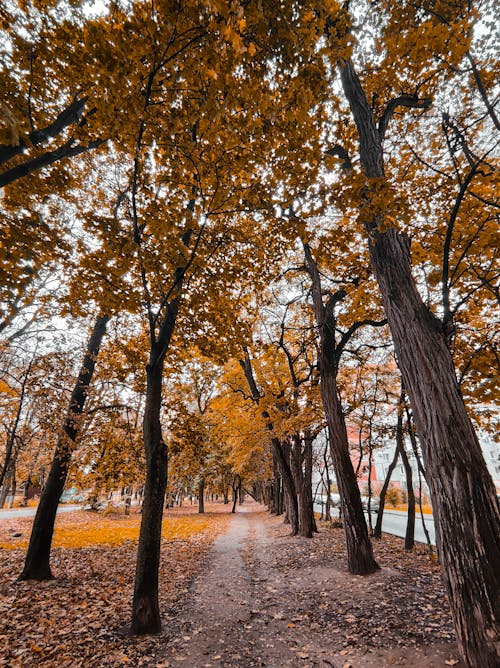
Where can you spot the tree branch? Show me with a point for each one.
(67, 150)
(409, 101)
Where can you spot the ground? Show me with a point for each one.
(256, 597)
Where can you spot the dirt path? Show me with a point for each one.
(269, 600)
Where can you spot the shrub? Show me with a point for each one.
(393, 496)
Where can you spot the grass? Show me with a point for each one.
(88, 528)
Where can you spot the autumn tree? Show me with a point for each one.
(462, 491)
(198, 85)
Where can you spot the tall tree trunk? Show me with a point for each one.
(37, 563)
(360, 559)
(466, 512)
(145, 608)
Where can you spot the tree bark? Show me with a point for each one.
(360, 559)
(37, 563)
(466, 512)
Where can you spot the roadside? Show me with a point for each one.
(30, 511)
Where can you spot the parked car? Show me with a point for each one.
(72, 495)
(374, 503)
(334, 499)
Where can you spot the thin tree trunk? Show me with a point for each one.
(424, 526)
(328, 483)
(201, 496)
(37, 563)
(377, 532)
(360, 559)
(410, 524)
(370, 492)
(12, 432)
(236, 486)
(466, 512)
(421, 472)
(13, 488)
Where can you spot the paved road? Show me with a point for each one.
(394, 522)
(11, 513)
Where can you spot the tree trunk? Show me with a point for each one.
(236, 487)
(304, 499)
(360, 559)
(466, 512)
(278, 451)
(13, 488)
(328, 505)
(9, 448)
(292, 509)
(37, 563)
(201, 496)
(4, 490)
(275, 487)
(377, 532)
(410, 524)
(145, 607)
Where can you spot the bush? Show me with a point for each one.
(393, 496)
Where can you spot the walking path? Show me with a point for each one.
(274, 601)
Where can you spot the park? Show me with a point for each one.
(249, 319)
